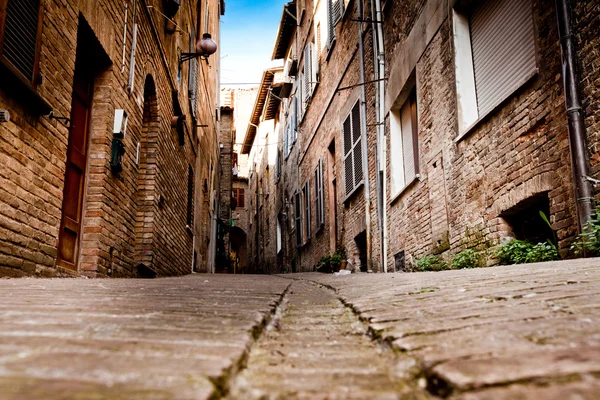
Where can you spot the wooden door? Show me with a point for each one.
(70, 225)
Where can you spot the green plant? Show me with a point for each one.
(513, 252)
(335, 260)
(588, 242)
(467, 258)
(520, 252)
(542, 252)
(430, 263)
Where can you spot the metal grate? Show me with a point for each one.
(21, 34)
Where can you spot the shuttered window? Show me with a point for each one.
(298, 216)
(193, 81)
(307, 216)
(404, 163)
(20, 34)
(319, 195)
(503, 45)
(353, 169)
(311, 75)
(335, 10)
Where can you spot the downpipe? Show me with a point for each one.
(575, 117)
(365, 151)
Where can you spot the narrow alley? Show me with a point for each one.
(493, 333)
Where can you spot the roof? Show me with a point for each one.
(261, 99)
(286, 30)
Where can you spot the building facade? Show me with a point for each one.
(410, 129)
(109, 154)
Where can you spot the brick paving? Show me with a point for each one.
(528, 331)
(318, 349)
(175, 338)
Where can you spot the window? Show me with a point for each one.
(193, 79)
(190, 198)
(404, 163)
(300, 95)
(20, 34)
(353, 168)
(335, 10)
(311, 72)
(239, 197)
(279, 224)
(306, 194)
(290, 133)
(319, 195)
(489, 70)
(298, 215)
(277, 166)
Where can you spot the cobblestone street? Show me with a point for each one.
(527, 331)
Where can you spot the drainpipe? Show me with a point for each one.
(575, 117)
(365, 151)
(379, 58)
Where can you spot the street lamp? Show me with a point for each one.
(204, 48)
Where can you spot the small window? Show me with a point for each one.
(279, 225)
(20, 37)
(404, 164)
(490, 70)
(335, 10)
(190, 198)
(353, 168)
(238, 196)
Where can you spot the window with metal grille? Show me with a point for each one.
(353, 168)
(404, 164)
(494, 54)
(20, 34)
(298, 217)
(190, 198)
(306, 195)
(319, 195)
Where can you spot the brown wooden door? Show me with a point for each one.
(70, 225)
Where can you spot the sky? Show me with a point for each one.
(248, 31)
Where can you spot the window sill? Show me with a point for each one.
(410, 184)
(22, 91)
(354, 191)
(463, 135)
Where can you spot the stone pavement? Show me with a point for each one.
(527, 331)
(173, 338)
(515, 332)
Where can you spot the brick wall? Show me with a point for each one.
(34, 150)
(519, 150)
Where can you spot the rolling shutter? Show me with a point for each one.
(503, 45)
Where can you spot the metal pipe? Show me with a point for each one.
(575, 117)
(379, 53)
(365, 151)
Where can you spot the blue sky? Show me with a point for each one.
(248, 31)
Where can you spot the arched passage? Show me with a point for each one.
(237, 238)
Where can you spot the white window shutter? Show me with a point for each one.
(315, 64)
(356, 138)
(307, 74)
(348, 156)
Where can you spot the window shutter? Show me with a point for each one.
(298, 209)
(300, 95)
(190, 198)
(307, 205)
(319, 198)
(338, 8)
(358, 167)
(20, 40)
(330, 23)
(294, 119)
(307, 74)
(503, 45)
(193, 80)
(348, 156)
